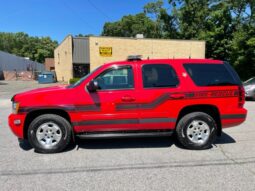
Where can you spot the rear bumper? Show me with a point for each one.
(233, 119)
(16, 128)
(249, 94)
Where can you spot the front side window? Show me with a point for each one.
(159, 75)
(116, 78)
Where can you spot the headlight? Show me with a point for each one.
(15, 107)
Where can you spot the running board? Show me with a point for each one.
(124, 134)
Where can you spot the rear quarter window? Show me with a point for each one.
(211, 74)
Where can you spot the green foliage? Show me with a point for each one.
(73, 80)
(129, 26)
(20, 44)
(227, 26)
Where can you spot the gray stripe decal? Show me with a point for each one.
(106, 122)
(124, 121)
(71, 108)
(234, 116)
(157, 120)
(161, 99)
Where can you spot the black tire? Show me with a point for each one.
(186, 122)
(62, 123)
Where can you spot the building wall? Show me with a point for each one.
(85, 50)
(152, 48)
(49, 64)
(63, 60)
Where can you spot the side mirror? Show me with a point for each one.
(92, 86)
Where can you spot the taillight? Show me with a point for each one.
(241, 96)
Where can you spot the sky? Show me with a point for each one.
(58, 18)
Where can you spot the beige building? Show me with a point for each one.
(77, 56)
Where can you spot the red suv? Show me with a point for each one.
(194, 98)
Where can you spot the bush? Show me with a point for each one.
(73, 80)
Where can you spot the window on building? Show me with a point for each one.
(159, 75)
(80, 70)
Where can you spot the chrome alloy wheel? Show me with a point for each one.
(198, 132)
(48, 134)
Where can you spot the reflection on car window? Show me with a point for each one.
(116, 78)
(83, 78)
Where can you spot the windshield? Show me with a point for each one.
(250, 82)
(83, 78)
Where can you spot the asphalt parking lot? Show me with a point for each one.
(127, 164)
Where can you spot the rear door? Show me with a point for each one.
(159, 95)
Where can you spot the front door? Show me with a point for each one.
(116, 86)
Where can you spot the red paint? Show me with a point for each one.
(228, 100)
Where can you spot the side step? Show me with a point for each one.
(124, 134)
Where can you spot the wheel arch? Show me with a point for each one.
(35, 113)
(211, 110)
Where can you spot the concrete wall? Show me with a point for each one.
(152, 48)
(63, 60)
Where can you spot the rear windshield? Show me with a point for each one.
(212, 74)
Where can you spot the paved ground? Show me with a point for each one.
(127, 164)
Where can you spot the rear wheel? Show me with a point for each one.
(49, 133)
(196, 130)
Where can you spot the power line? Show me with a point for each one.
(74, 11)
(99, 10)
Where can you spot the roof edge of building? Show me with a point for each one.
(69, 35)
(133, 38)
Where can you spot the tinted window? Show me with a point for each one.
(116, 78)
(210, 74)
(159, 75)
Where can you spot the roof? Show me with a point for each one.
(176, 61)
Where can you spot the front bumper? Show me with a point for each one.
(17, 128)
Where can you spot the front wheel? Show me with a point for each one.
(49, 133)
(196, 130)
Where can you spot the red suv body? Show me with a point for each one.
(194, 97)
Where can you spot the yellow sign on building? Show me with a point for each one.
(105, 51)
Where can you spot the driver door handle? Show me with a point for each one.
(127, 99)
(177, 96)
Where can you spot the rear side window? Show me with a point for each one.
(159, 75)
(211, 74)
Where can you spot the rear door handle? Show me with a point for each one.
(127, 99)
(177, 96)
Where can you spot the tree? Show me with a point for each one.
(21, 44)
(165, 24)
(129, 26)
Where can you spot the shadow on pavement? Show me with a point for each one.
(126, 143)
(154, 142)
(24, 145)
(224, 139)
(3, 83)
